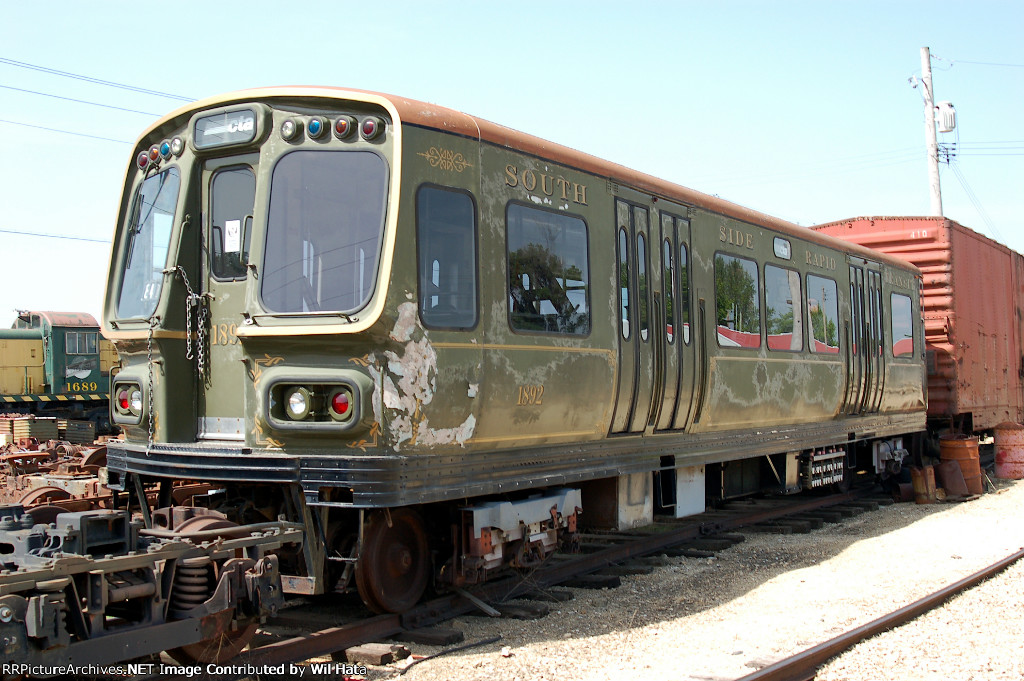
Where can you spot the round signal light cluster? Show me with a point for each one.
(164, 151)
(319, 403)
(128, 400)
(344, 127)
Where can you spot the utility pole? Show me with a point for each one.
(929, 133)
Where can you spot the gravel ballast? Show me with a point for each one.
(774, 595)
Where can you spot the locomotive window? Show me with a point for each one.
(446, 246)
(823, 313)
(548, 271)
(902, 326)
(148, 240)
(233, 193)
(324, 231)
(80, 343)
(783, 317)
(624, 307)
(737, 301)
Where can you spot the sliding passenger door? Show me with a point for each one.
(865, 356)
(634, 397)
(676, 371)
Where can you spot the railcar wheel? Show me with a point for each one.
(216, 649)
(43, 495)
(394, 561)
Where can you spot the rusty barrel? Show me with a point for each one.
(1009, 451)
(963, 450)
(923, 481)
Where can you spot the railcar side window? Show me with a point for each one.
(783, 317)
(624, 308)
(823, 313)
(684, 293)
(149, 238)
(738, 302)
(669, 284)
(902, 326)
(641, 277)
(446, 247)
(548, 271)
(324, 231)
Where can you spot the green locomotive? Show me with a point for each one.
(57, 364)
(434, 340)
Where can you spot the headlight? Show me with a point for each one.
(298, 403)
(136, 402)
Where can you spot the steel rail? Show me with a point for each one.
(804, 665)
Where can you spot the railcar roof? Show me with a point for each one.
(441, 118)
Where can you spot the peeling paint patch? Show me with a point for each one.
(407, 382)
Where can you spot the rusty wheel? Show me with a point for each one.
(43, 495)
(220, 647)
(394, 561)
(46, 514)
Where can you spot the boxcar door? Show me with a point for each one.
(634, 398)
(229, 196)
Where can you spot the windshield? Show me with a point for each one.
(149, 237)
(324, 231)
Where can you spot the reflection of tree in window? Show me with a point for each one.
(548, 274)
(736, 299)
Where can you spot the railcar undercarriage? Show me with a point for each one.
(75, 591)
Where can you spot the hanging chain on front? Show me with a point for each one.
(194, 304)
(154, 320)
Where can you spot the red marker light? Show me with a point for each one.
(143, 160)
(371, 128)
(340, 403)
(122, 401)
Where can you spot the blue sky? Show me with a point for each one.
(802, 110)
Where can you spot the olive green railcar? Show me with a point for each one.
(368, 302)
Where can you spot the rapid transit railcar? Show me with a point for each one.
(434, 340)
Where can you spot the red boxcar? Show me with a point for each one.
(971, 300)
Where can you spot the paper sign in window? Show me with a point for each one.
(232, 236)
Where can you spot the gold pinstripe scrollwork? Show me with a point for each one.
(363, 444)
(446, 159)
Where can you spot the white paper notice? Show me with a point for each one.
(232, 236)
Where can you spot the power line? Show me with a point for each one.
(55, 236)
(97, 81)
(80, 101)
(66, 132)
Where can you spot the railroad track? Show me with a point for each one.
(598, 565)
(804, 665)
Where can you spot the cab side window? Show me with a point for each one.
(446, 254)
